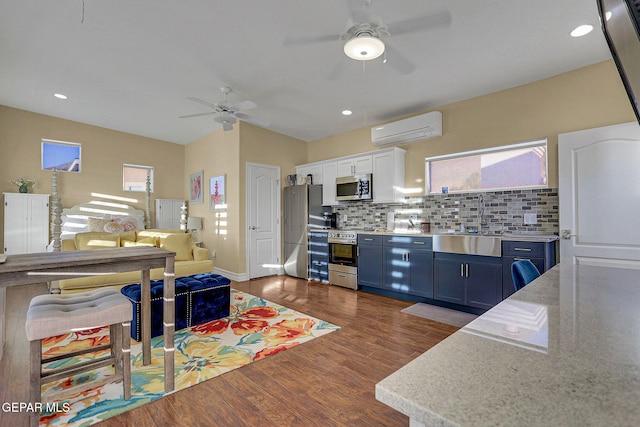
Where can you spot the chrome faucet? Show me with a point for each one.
(481, 212)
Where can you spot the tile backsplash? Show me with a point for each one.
(489, 212)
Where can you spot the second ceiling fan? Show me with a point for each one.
(227, 115)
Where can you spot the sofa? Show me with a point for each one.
(189, 259)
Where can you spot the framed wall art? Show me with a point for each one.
(217, 195)
(61, 156)
(195, 187)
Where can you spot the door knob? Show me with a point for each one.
(566, 234)
(253, 227)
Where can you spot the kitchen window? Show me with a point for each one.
(134, 177)
(521, 165)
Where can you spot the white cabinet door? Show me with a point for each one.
(329, 175)
(388, 176)
(355, 165)
(168, 213)
(363, 164)
(26, 223)
(313, 169)
(345, 167)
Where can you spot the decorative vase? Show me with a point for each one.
(23, 189)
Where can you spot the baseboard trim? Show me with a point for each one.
(236, 277)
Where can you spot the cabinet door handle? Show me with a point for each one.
(407, 255)
(518, 258)
(522, 249)
(466, 270)
(367, 239)
(461, 270)
(418, 243)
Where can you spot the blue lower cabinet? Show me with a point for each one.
(318, 257)
(370, 268)
(541, 254)
(408, 265)
(449, 281)
(471, 280)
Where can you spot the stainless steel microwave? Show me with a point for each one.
(356, 187)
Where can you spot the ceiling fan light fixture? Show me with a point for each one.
(364, 48)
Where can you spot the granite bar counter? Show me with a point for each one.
(565, 350)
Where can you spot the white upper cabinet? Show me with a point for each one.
(386, 167)
(388, 175)
(356, 165)
(329, 175)
(313, 169)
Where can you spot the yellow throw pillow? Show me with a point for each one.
(181, 244)
(127, 235)
(143, 242)
(97, 240)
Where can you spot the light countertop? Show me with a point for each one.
(565, 350)
(530, 237)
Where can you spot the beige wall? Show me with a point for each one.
(262, 146)
(103, 153)
(581, 99)
(586, 98)
(218, 154)
(228, 153)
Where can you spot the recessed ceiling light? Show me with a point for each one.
(347, 112)
(60, 96)
(581, 30)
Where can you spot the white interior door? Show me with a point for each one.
(263, 220)
(599, 192)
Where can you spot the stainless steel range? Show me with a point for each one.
(343, 258)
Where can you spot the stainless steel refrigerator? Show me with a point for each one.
(302, 213)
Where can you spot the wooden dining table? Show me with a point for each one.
(33, 268)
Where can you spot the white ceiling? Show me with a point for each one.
(130, 65)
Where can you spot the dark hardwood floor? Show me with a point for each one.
(329, 381)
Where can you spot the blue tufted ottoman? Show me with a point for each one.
(200, 298)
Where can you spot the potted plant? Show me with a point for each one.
(23, 184)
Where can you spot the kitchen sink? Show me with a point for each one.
(468, 244)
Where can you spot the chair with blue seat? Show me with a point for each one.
(523, 272)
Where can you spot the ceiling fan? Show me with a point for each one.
(365, 36)
(227, 115)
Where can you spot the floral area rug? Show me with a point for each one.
(255, 329)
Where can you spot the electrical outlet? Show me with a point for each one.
(345, 217)
(530, 218)
(213, 254)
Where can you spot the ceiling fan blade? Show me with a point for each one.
(421, 23)
(253, 120)
(396, 60)
(301, 40)
(226, 126)
(196, 115)
(201, 101)
(244, 105)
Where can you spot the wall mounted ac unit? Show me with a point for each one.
(424, 126)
